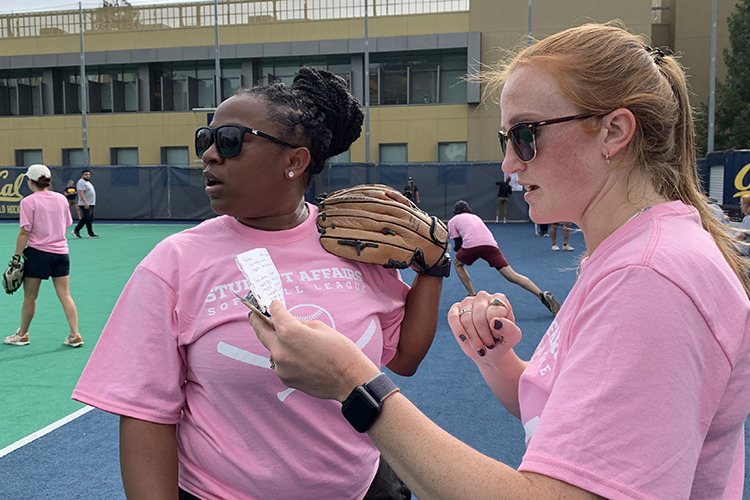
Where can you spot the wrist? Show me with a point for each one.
(441, 270)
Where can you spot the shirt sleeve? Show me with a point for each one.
(26, 219)
(138, 366)
(637, 369)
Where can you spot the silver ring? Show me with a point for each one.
(498, 302)
(462, 311)
(271, 363)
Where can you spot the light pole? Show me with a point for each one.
(83, 89)
(367, 88)
(712, 83)
(528, 37)
(216, 53)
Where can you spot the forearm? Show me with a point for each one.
(435, 465)
(502, 378)
(419, 324)
(83, 198)
(21, 241)
(148, 459)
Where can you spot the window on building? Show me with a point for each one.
(231, 80)
(452, 82)
(123, 156)
(26, 157)
(112, 89)
(73, 157)
(344, 157)
(451, 152)
(175, 156)
(392, 153)
(284, 69)
(21, 96)
(424, 77)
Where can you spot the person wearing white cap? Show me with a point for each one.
(41, 240)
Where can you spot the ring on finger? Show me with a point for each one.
(498, 302)
(462, 311)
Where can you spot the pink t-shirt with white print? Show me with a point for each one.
(639, 389)
(178, 349)
(46, 215)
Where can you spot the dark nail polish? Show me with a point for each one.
(499, 340)
(497, 324)
(491, 346)
(462, 337)
(480, 352)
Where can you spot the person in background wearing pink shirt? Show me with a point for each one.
(202, 414)
(472, 240)
(41, 240)
(639, 388)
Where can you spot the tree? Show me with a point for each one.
(732, 115)
(115, 15)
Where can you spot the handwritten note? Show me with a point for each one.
(263, 277)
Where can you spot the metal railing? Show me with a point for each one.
(195, 14)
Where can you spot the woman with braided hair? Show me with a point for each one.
(201, 410)
(638, 390)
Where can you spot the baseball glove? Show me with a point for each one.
(363, 223)
(13, 276)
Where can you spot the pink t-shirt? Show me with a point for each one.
(639, 388)
(46, 214)
(471, 229)
(178, 348)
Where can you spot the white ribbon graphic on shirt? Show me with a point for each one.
(250, 358)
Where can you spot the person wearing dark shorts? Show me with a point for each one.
(45, 215)
(71, 193)
(472, 241)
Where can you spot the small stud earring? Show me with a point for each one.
(290, 174)
(607, 158)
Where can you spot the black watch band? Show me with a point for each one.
(362, 407)
(380, 387)
(440, 270)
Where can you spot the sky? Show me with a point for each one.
(22, 6)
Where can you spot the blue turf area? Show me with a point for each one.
(80, 459)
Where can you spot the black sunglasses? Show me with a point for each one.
(228, 139)
(523, 136)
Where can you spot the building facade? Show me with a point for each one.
(151, 71)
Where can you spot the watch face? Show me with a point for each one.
(360, 409)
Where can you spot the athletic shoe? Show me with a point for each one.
(555, 247)
(568, 248)
(76, 234)
(93, 236)
(74, 340)
(549, 302)
(17, 339)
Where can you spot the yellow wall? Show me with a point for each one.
(147, 131)
(693, 41)
(503, 24)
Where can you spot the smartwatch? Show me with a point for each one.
(363, 405)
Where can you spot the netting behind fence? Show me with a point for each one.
(166, 192)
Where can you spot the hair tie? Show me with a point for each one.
(656, 53)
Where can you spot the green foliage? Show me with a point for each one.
(732, 113)
(115, 15)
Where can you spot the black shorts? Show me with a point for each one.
(42, 265)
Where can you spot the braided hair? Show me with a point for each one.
(317, 111)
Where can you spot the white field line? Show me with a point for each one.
(51, 427)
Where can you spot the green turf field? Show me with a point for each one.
(39, 378)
